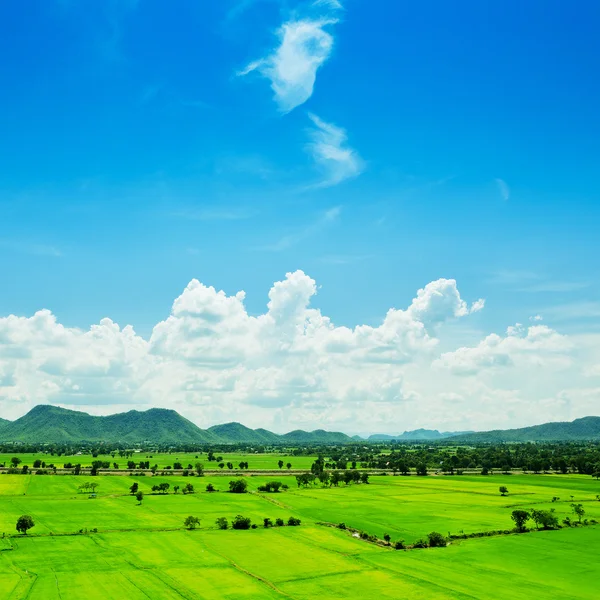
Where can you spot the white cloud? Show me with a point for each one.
(304, 46)
(503, 189)
(291, 366)
(330, 151)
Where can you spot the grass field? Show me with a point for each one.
(257, 462)
(144, 552)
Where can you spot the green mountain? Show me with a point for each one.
(230, 433)
(417, 434)
(53, 424)
(587, 428)
(319, 436)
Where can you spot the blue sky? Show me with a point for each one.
(144, 145)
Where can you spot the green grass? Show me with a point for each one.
(257, 462)
(144, 552)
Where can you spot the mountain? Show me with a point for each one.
(238, 433)
(319, 436)
(417, 434)
(587, 428)
(54, 424)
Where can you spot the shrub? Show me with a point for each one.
(222, 523)
(342, 526)
(253, 525)
(279, 523)
(241, 522)
(293, 522)
(364, 535)
(387, 537)
(238, 486)
(399, 545)
(436, 540)
(267, 522)
(420, 544)
(210, 488)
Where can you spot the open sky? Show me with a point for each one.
(366, 216)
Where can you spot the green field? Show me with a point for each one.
(257, 462)
(144, 551)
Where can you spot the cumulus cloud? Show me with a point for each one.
(291, 366)
(304, 45)
(331, 153)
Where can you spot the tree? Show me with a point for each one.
(520, 517)
(24, 523)
(547, 519)
(436, 540)
(191, 522)
(422, 469)
(387, 538)
(188, 489)
(578, 510)
(139, 496)
(280, 464)
(364, 477)
(288, 466)
(175, 488)
(293, 522)
(267, 522)
(15, 461)
(240, 522)
(238, 486)
(134, 488)
(210, 488)
(199, 469)
(222, 523)
(279, 522)
(503, 490)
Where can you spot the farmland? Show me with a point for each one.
(142, 550)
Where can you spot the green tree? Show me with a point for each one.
(134, 488)
(288, 466)
(15, 461)
(520, 517)
(240, 522)
(139, 496)
(199, 469)
(293, 522)
(422, 469)
(436, 540)
(387, 537)
(210, 488)
(238, 486)
(578, 510)
(222, 523)
(547, 519)
(364, 477)
(267, 522)
(280, 464)
(503, 490)
(24, 523)
(191, 522)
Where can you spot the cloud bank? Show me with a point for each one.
(292, 366)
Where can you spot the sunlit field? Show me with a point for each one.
(140, 550)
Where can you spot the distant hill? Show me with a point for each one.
(318, 436)
(587, 428)
(417, 434)
(238, 433)
(54, 424)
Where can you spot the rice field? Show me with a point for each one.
(143, 551)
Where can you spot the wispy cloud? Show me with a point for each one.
(31, 248)
(503, 188)
(287, 241)
(304, 45)
(330, 151)
(331, 4)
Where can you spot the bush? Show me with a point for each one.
(238, 486)
(342, 526)
(267, 522)
(253, 525)
(387, 537)
(399, 545)
(420, 544)
(293, 522)
(364, 535)
(436, 540)
(222, 523)
(241, 522)
(210, 488)
(279, 523)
